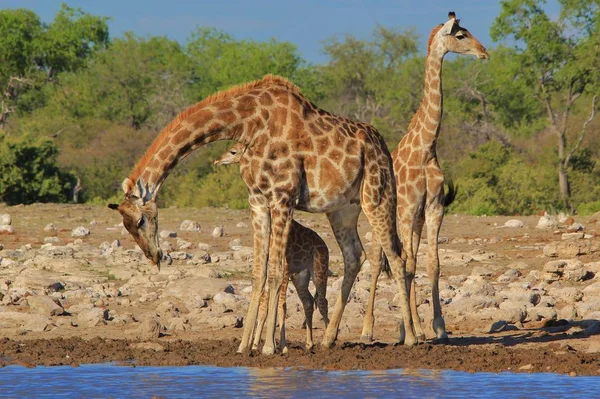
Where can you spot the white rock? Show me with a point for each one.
(513, 223)
(168, 234)
(562, 217)
(92, 317)
(235, 244)
(241, 225)
(189, 225)
(6, 228)
(218, 232)
(149, 329)
(573, 236)
(547, 222)
(50, 227)
(80, 232)
(204, 247)
(44, 305)
(576, 227)
(5, 219)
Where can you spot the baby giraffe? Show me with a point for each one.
(306, 258)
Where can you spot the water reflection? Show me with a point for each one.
(101, 381)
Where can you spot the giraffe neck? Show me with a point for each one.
(192, 129)
(430, 111)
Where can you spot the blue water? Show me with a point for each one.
(104, 381)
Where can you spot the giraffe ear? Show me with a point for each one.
(446, 29)
(127, 185)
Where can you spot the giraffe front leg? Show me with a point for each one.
(261, 223)
(281, 221)
(369, 319)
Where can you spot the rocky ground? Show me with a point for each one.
(520, 294)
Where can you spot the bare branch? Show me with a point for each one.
(583, 131)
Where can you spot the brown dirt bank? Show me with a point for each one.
(516, 353)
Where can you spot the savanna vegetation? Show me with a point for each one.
(519, 135)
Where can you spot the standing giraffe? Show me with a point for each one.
(306, 258)
(419, 178)
(297, 156)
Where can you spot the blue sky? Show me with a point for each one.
(306, 23)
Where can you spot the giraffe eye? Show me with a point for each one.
(232, 152)
(460, 36)
(140, 222)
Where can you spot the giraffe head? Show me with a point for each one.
(454, 38)
(140, 216)
(232, 155)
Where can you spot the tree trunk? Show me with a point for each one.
(563, 178)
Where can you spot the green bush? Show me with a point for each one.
(29, 172)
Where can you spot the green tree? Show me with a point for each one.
(378, 81)
(32, 53)
(556, 60)
(29, 172)
(220, 61)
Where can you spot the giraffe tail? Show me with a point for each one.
(385, 265)
(450, 194)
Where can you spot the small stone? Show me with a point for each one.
(116, 244)
(5, 228)
(44, 305)
(572, 236)
(575, 227)
(5, 219)
(80, 232)
(56, 287)
(239, 322)
(50, 227)
(52, 239)
(513, 223)
(547, 222)
(241, 225)
(92, 317)
(149, 329)
(189, 225)
(218, 232)
(235, 244)
(203, 246)
(168, 234)
(93, 223)
(526, 367)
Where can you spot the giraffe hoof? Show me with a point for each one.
(284, 350)
(421, 338)
(268, 350)
(410, 341)
(366, 338)
(327, 344)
